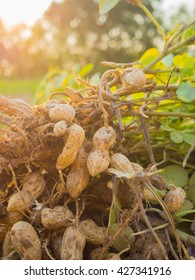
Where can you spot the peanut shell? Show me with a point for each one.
(133, 79)
(104, 138)
(121, 162)
(56, 218)
(60, 128)
(73, 243)
(34, 184)
(78, 177)
(174, 199)
(74, 141)
(20, 201)
(97, 162)
(26, 241)
(62, 112)
(94, 234)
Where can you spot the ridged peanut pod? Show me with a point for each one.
(7, 246)
(174, 199)
(60, 128)
(95, 253)
(3, 231)
(56, 218)
(26, 241)
(104, 138)
(97, 162)
(94, 234)
(75, 139)
(133, 79)
(121, 162)
(33, 187)
(20, 201)
(11, 218)
(78, 177)
(73, 244)
(34, 184)
(62, 112)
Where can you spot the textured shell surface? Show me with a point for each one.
(25, 241)
(174, 199)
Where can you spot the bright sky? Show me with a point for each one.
(28, 11)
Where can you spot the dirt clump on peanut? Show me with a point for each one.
(72, 188)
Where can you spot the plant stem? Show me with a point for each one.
(179, 32)
(156, 60)
(154, 21)
(171, 114)
(187, 42)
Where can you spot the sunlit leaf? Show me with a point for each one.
(176, 136)
(95, 79)
(86, 69)
(148, 56)
(168, 60)
(176, 175)
(106, 5)
(186, 92)
(189, 33)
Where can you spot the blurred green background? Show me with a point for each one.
(71, 39)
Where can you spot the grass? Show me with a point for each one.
(19, 88)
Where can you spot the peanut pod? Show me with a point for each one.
(20, 201)
(121, 162)
(56, 218)
(3, 231)
(133, 79)
(73, 243)
(60, 128)
(174, 199)
(104, 138)
(94, 234)
(78, 177)
(11, 218)
(74, 141)
(62, 112)
(97, 162)
(7, 246)
(26, 241)
(34, 184)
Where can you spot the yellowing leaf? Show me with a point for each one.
(106, 5)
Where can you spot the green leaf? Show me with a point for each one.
(190, 194)
(124, 240)
(189, 138)
(148, 56)
(185, 209)
(192, 180)
(168, 60)
(176, 136)
(184, 232)
(176, 175)
(112, 213)
(86, 69)
(95, 79)
(186, 92)
(106, 5)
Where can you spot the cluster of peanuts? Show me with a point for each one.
(17, 234)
